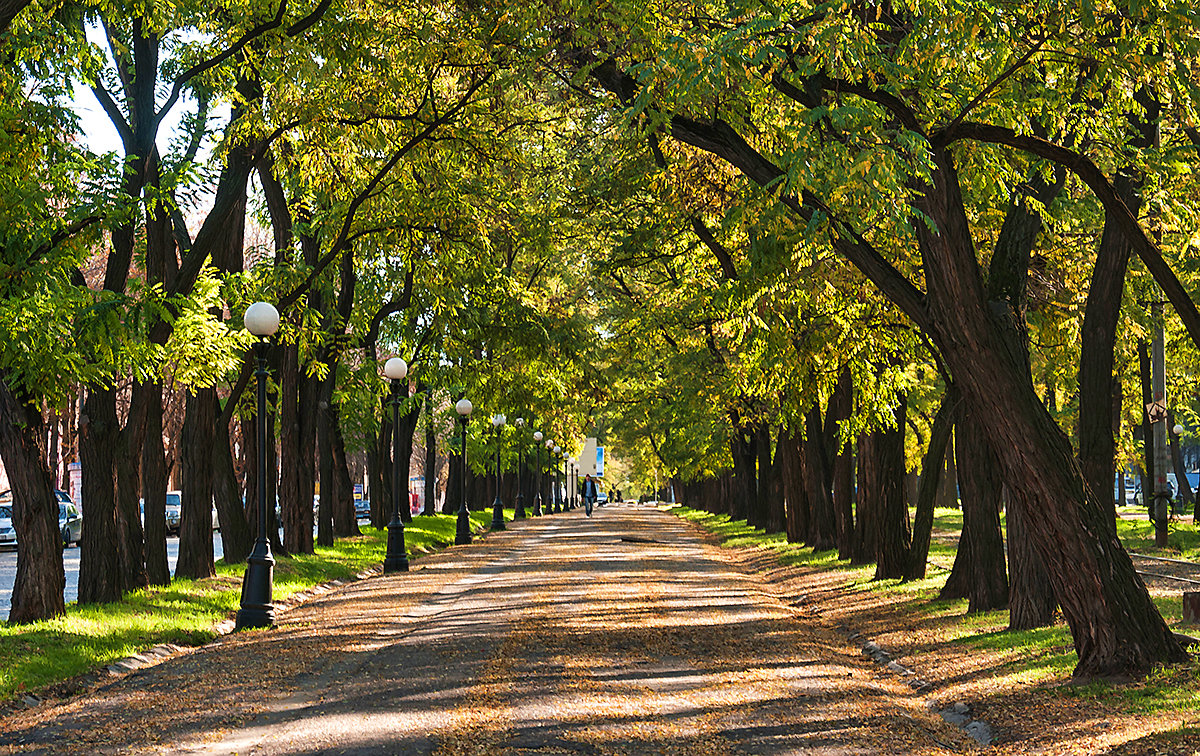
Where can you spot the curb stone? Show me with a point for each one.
(957, 714)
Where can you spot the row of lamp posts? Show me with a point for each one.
(257, 609)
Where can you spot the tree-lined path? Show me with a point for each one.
(622, 633)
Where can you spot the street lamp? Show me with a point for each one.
(498, 505)
(537, 495)
(462, 534)
(560, 504)
(257, 610)
(396, 559)
(552, 506)
(519, 511)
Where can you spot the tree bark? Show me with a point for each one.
(841, 404)
(297, 436)
(154, 491)
(1031, 599)
(127, 465)
(980, 575)
(866, 501)
(792, 477)
(431, 464)
(99, 563)
(345, 522)
(745, 453)
(822, 525)
(893, 529)
(236, 537)
(927, 488)
(37, 592)
(195, 516)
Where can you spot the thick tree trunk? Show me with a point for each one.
(792, 477)
(931, 474)
(822, 525)
(345, 522)
(866, 501)
(154, 491)
(841, 404)
(776, 514)
(982, 577)
(1116, 627)
(745, 454)
(99, 563)
(947, 496)
(127, 465)
(892, 523)
(326, 417)
(762, 498)
(1030, 598)
(37, 592)
(195, 516)
(297, 435)
(381, 510)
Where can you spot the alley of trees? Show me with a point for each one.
(817, 263)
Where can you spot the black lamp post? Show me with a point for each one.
(396, 559)
(257, 610)
(519, 510)
(498, 505)
(537, 495)
(462, 534)
(560, 504)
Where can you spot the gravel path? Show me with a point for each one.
(623, 633)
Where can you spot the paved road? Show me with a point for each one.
(622, 633)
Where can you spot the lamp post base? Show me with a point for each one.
(537, 505)
(519, 513)
(497, 515)
(257, 609)
(462, 533)
(396, 559)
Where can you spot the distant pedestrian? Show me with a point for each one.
(590, 492)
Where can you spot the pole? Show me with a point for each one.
(519, 512)
(257, 584)
(396, 559)
(1158, 383)
(497, 505)
(537, 480)
(462, 534)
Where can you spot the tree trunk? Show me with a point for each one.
(127, 464)
(99, 564)
(1030, 598)
(195, 516)
(893, 530)
(984, 579)
(431, 465)
(381, 509)
(236, 537)
(745, 453)
(37, 592)
(154, 491)
(345, 522)
(326, 417)
(792, 476)
(1181, 479)
(947, 496)
(822, 525)
(776, 514)
(931, 469)
(866, 501)
(297, 435)
(762, 499)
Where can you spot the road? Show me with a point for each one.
(623, 633)
(8, 570)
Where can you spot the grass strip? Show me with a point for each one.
(38, 655)
(1039, 657)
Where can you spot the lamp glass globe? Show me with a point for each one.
(537, 435)
(498, 420)
(261, 319)
(464, 407)
(395, 369)
(1178, 429)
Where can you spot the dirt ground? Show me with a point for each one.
(629, 632)
(1027, 717)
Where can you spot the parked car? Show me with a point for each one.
(174, 506)
(70, 521)
(362, 508)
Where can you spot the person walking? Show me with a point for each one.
(590, 492)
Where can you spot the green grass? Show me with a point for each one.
(1043, 654)
(40, 654)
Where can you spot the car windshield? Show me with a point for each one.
(6, 512)
(172, 500)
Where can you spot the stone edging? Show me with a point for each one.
(957, 714)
